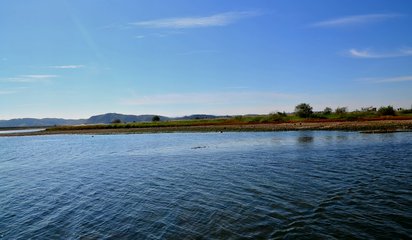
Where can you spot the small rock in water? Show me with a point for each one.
(198, 147)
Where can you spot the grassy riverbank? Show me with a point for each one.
(256, 123)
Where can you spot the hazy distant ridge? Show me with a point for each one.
(110, 117)
(103, 118)
(35, 122)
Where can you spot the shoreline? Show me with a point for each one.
(375, 126)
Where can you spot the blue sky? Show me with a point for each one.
(77, 58)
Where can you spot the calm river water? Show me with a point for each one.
(207, 186)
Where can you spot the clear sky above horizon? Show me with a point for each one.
(77, 58)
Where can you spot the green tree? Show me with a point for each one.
(303, 110)
(327, 111)
(155, 119)
(387, 111)
(341, 110)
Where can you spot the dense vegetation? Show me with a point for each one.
(303, 110)
(303, 113)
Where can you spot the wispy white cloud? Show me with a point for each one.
(207, 98)
(139, 37)
(371, 54)
(67, 66)
(29, 78)
(161, 34)
(39, 76)
(387, 79)
(355, 20)
(221, 19)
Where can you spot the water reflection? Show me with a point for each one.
(305, 139)
(341, 137)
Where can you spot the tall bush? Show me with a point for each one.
(303, 110)
(387, 111)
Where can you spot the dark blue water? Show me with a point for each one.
(207, 186)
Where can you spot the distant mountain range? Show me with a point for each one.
(110, 117)
(35, 122)
(98, 119)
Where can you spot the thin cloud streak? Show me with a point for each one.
(221, 19)
(370, 54)
(39, 76)
(355, 20)
(388, 80)
(29, 78)
(68, 66)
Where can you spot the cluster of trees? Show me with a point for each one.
(154, 119)
(304, 110)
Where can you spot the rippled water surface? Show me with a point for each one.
(207, 186)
